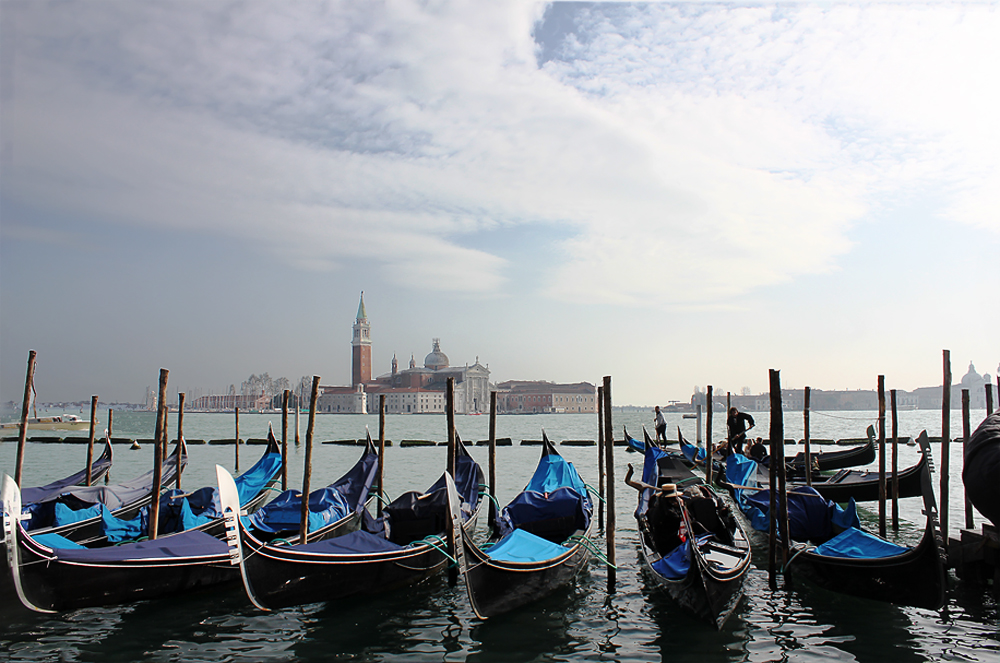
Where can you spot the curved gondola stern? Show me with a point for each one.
(229, 496)
(933, 527)
(11, 495)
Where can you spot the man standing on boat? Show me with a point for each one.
(661, 425)
(737, 425)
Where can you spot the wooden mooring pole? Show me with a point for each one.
(709, 445)
(90, 440)
(600, 457)
(895, 461)
(111, 420)
(159, 443)
(945, 444)
(609, 464)
(989, 399)
(22, 436)
(452, 461)
(805, 438)
(236, 410)
(881, 457)
(180, 434)
(966, 434)
(284, 439)
(493, 461)
(381, 452)
(307, 470)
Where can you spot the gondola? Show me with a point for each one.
(795, 465)
(51, 573)
(75, 512)
(692, 544)
(403, 547)
(827, 461)
(542, 540)
(842, 557)
(98, 470)
(981, 467)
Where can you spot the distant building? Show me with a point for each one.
(520, 396)
(413, 390)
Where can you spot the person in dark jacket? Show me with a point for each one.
(738, 423)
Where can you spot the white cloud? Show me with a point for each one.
(693, 153)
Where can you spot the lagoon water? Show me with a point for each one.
(433, 622)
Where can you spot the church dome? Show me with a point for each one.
(436, 359)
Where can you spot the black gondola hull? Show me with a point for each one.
(914, 578)
(496, 587)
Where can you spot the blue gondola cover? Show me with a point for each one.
(522, 546)
(854, 543)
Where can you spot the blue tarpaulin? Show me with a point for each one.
(554, 472)
(284, 514)
(856, 544)
(64, 515)
(354, 543)
(184, 544)
(521, 546)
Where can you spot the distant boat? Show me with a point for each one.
(58, 422)
(689, 416)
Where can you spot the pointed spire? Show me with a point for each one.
(361, 307)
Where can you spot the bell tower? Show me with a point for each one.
(361, 346)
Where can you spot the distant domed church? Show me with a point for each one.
(409, 391)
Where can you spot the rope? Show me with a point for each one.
(834, 416)
(590, 546)
(429, 540)
(593, 491)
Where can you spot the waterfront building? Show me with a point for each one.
(523, 396)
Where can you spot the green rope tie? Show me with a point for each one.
(593, 491)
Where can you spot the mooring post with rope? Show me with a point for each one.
(381, 452)
(180, 434)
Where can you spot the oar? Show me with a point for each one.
(663, 490)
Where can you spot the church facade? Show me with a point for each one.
(413, 390)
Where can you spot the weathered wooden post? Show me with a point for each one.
(989, 399)
(945, 445)
(805, 439)
(284, 439)
(298, 406)
(697, 433)
(881, 456)
(600, 457)
(180, 434)
(90, 440)
(709, 445)
(111, 419)
(895, 461)
(452, 461)
(236, 410)
(493, 459)
(449, 403)
(966, 434)
(381, 451)
(29, 379)
(159, 443)
(307, 472)
(779, 502)
(609, 464)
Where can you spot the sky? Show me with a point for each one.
(671, 194)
